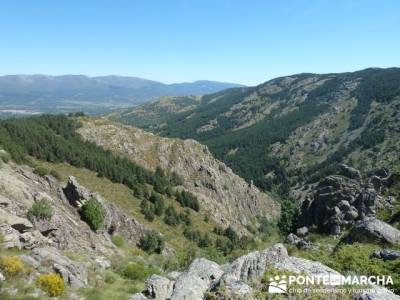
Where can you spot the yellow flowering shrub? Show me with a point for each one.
(11, 265)
(52, 284)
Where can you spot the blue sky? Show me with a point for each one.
(174, 41)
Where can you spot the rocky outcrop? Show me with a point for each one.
(76, 194)
(340, 200)
(373, 230)
(50, 258)
(20, 187)
(299, 242)
(19, 224)
(116, 220)
(227, 198)
(158, 287)
(386, 254)
(254, 264)
(207, 280)
(350, 172)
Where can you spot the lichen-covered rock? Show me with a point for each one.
(76, 194)
(386, 254)
(254, 264)
(200, 276)
(207, 270)
(372, 229)
(349, 172)
(16, 222)
(202, 279)
(339, 201)
(189, 286)
(300, 243)
(103, 262)
(20, 187)
(74, 274)
(159, 287)
(301, 232)
(138, 296)
(300, 265)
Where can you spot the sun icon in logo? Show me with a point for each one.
(277, 284)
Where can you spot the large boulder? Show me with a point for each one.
(158, 287)
(349, 172)
(253, 265)
(386, 254)
(372, 229)
(189, 286)
(339, 201)
(300, 243)
(18, 223)
(207, 270)
(74, 274)
(76, 194)
(201, 275)
(304, 266)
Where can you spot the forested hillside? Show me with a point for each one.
(53, 140)
(294, 129)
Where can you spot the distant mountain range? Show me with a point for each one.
(30, 93)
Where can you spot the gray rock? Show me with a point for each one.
(72, 273)
(33, 239)
(76, 194)
(189, 286)
(103, 262)
(138, 296)
(350, 172)
(386, 254)
(292, 239)
(234, 288)
(158, 287)
(302, 231)
(207, 270)
(4, 202)
(379, 293)
(18, 223)
(173, 275)
(338, 202)
(351, 214)
(2, 278)
(10, 237)
(300, 265)
(29, 260)
(199, 277)
(372, 229)
(253, 265)
(298, 242)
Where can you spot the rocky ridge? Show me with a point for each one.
(204, 279)
(228, 199)
(339, 201)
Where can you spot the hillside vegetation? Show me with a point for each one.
(292, 129)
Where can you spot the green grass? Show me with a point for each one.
(123, 197)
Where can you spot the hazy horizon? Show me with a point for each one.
(246, 42)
